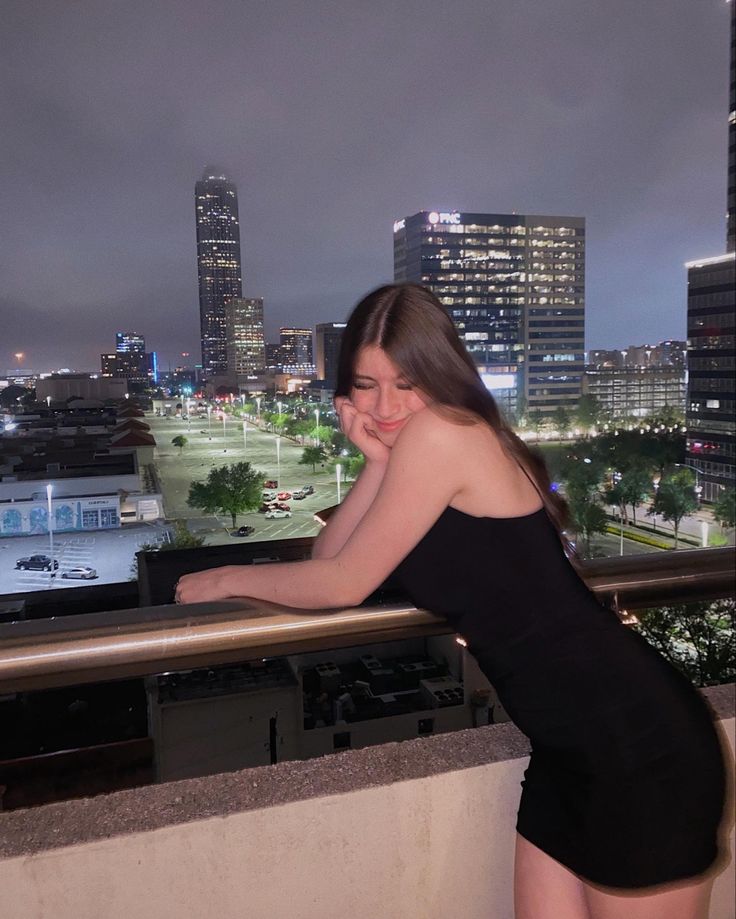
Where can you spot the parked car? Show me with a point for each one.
(277, 514)
(271, 483)
(243, 531)
(269, 496)
(308, 489)
(298, 495)
(36, 563)
(280, 506)
(81, 572)
(284, 495)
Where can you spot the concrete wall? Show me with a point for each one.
(418, 830)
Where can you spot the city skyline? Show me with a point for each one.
(618, 115)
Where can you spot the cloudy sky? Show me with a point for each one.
(334, 118)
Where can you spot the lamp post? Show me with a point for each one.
(278, 460)
(245, 437)
(49, 490)
(316, 412)
(48, 401)
(224, 432)
(209, 422)
(258, 410)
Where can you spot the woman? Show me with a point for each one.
(624, 789)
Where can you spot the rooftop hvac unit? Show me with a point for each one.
(442, 692)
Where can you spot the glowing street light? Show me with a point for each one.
(224, 432)
(278, 459)
(245, 436)
(316, 412)
(258, 408)
(209, 422)
(49, 490)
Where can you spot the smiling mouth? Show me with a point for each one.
(388, 425)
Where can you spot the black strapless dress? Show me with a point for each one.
(625, 785)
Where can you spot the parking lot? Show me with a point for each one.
(110, 552)
(221, 445)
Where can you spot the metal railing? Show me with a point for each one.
(47, 653)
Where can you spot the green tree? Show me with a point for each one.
(635, 485)
(724, 510)
(675, 498)
(697, 637)
(179, 538)
(588, 412)
(535, 419)
(562, 419)
(313, 455)
(180, 441)
(232, 489)
(583, 477)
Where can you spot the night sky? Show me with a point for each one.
(334, 119)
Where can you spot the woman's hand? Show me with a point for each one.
(358, 428)
(203, 586)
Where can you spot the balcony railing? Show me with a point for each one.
(119, 644)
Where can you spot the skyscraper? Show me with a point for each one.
(329, 336)
(246, 352)
(296, 350)
(711, 331)
(218, 263)
(514, 286)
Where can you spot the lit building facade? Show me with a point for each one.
(635, 392)
(129, 341)
(246, 350)
(514, 285)
(295, 351)
(711, 399)
(328, 339)
(218, 264)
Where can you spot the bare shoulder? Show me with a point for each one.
(431, 430)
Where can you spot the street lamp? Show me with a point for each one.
(245, 438)
(48, 401)
(224, 433)
(278, 460)
(49, 490)
(258, 409)
(316, 412)
(209, 422)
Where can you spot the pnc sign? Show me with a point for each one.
(444, 217)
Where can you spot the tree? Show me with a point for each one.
(562, 419)
(635, 485)
(724, 510)
(588, 412)
(697, 637)
(311, 456)
(180, 441)
(583, 478)
(675, 498)
(179, 538)
(232, 489)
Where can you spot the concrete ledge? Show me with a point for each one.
(25, 832)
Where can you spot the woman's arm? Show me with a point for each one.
(424, 461)
(348, 515)
(360, 497)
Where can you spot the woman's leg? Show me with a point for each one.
(672, 901)
(545, 889)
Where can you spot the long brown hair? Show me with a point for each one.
(410, 324)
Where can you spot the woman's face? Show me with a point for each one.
(381, 391)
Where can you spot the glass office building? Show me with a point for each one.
(218, 264)
(246, 348)
(514, 285)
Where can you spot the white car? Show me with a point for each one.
(277, 514)
(82, 572)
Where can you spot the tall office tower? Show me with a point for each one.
(329, 336)
(246, 350)
(514, 286)
(296, 350)
(129, 341)
(711, 393)
(711, 341)
(731, 194)
(218, 263)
